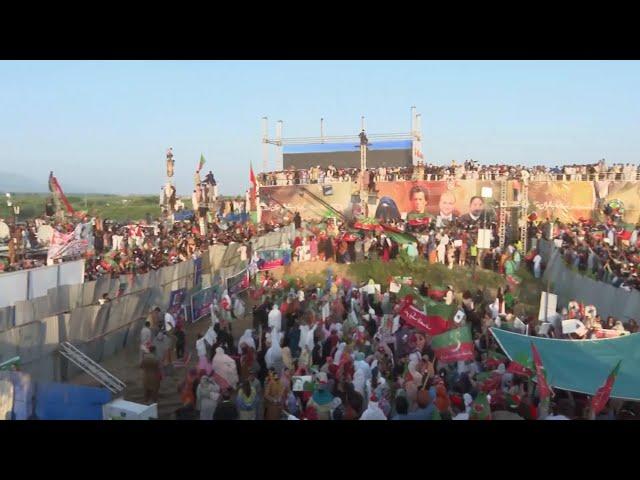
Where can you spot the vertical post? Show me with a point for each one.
(265, 145)
(322, 130)
(279, 160)
(413, 121)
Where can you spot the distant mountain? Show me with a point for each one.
(16, 183)
(13, 182)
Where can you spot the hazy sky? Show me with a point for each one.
(107, 125)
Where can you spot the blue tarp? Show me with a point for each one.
(582, 365)
(237, 217)
(183, 215)
(61, 401)
(22, 394)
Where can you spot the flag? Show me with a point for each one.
(434, 322)
(480, 409)
(602, 395)
(437, 293)
(252, 177)
(254, 186)
(453, 345)
(494, 359)
(544, 389)
(201, 164)
(521, 365)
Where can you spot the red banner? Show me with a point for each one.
(431, 325)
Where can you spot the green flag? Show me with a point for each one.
(201, 164)
(480, 409)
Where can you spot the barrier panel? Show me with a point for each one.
(13, 287)
(6, 318)
(609, 300)
(34, 328)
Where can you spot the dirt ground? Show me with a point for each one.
(124, 365)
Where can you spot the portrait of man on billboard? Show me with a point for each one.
(447, 205)
(477, 213)
(418, 202)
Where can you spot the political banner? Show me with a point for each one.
(273, 258)
(201, 302)
(238, 283)
(432, 324)
(176, 302)
(197, 274)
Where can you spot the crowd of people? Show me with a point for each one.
(467, 170)
(336, 351)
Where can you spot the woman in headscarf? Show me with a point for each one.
(225, 366)
(207, 396)
(322, 399)
(248, 363)
(273, 397)
(247, 401)
(247, 339)
(273, 357)
(275, 319)
(201, 349)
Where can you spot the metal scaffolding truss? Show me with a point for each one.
(415, 135)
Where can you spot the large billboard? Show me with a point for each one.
(566, 200)
(396, 153)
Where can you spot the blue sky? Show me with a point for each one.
(106, 125)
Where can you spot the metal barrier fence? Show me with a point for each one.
(71, 313)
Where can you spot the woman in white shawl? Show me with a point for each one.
(273, 357)
(225, 366)
(275, 319)
(247, 339)
(339, 352)
(207, 396)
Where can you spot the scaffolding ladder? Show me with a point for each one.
(502, 223)
(524, 209)
(92, 368)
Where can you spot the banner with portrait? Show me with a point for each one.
(238, 283)
(176, 302)
(201, 302)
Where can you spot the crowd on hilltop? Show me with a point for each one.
(470, 169)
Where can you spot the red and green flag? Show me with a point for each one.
(437, 293)
(521, 365)
(494, 359)
(480, 409)
(453, 345)
(602, 395)
(434, 322)
(201, 164)
(544, 390)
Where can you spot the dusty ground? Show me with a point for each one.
(124, 365)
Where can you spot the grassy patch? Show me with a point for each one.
(116, 207)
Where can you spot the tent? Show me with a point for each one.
(581, 365)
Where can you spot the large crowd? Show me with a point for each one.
(467, 170)
(342, 351)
